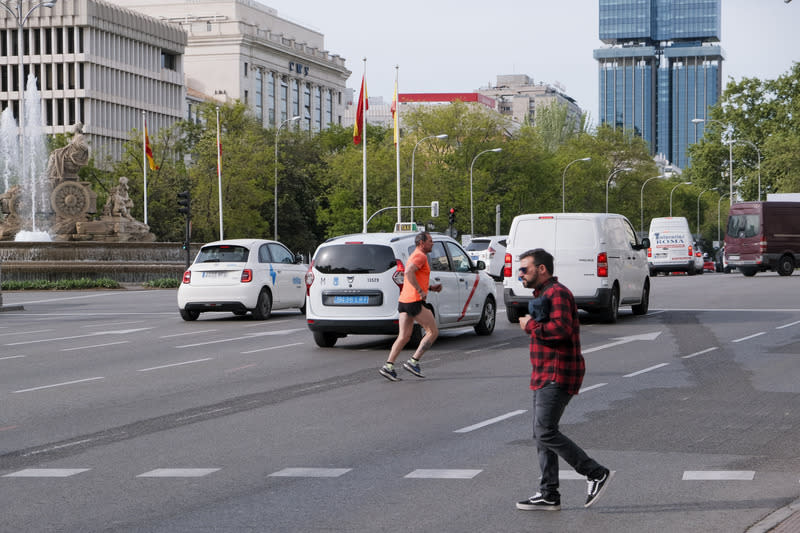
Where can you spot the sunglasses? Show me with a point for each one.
(524, 270)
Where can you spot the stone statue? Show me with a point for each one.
(8, 200)
(65, 162)
(119, 203)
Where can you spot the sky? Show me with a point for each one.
(462, 45)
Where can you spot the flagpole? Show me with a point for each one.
(364, 147)
(397, 138)
(144, 162)
(219, 177)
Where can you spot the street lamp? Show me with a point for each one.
(641, 202)
(730, 148)
(759, 165)
(413, 152)
(698, 210)
(672, 191)
(609, 181)
(471, 217)
(718, 220)
(21, 20)
(275, 214)
(563, 177)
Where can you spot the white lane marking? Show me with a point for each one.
(12, 357)
(273, 348)
(93, 346)
(490, 421)
(310, 472)
(718, 475)
(591, 387)
(624, 340)
(750, 336)
(95, 334)
(271, 323)
(179, 472)
(488, 347)
(655, 367)
(106, 324)
(442, 473)
(790, 324)
(175, 364)
(49, 449)
(245, 336)
(47, 472)
(25, 332)
(701, 352)
(186, 333)
(59, 384)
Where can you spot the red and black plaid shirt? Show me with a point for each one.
(555, 343)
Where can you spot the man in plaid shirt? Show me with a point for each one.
(558, 369)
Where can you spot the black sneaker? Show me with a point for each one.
(413, 368)
(537, 502)
(597, 487)
(389, 373)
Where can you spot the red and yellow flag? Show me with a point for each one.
(363, 105)
(149, 151)
(395, 115)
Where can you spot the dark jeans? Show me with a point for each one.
(549, 403)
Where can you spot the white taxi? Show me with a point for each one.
(241, 276)
(354, 282)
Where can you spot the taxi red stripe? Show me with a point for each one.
(466, 305)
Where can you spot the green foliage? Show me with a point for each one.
(162, 283)
(61, 285)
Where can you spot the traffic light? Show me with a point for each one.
(451, 218)
(434, 209)
(185, 203)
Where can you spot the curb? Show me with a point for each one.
(786, 519)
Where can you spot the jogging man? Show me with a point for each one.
(558, 368)
(412, 308)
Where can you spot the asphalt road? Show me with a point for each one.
(115, 415)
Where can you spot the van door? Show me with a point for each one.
(634, 263)
(575, 254)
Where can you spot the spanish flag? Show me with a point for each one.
(149, 151)
(363, 105)
(395, 115)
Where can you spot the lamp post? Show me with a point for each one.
(730, 148)
(672, 191)
(718, 220)
(413, 152)
(609, 181)
(21, 20)
(641, 202)
(698, 210)
(759, 164)
(471, 217)
(275, 213)
(563, 178)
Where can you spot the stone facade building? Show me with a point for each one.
(519, 98)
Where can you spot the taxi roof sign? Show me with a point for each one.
(405, 227)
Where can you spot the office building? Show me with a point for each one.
(661, 69)
(519, 98)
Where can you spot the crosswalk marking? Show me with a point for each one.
(179, 472)
(434, 473)
(310, 472)
(718, 475)
(47, 472)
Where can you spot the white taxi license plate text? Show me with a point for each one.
(351, 300)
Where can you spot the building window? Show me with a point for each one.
(259, 97)
(168, 61)
(245, 69)
(271, 99)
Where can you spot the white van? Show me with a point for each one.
(671, 247)
(596, 255)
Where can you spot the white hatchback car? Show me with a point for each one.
(354, 282)
(490, 250)
(241, 275)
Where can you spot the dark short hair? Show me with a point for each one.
(421, 237)
(540, 256)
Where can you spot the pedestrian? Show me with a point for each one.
(558, 368)
(412, 308)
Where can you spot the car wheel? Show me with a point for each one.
(642, 307)
(785, 265)
(749, 272)
(189, 316)
(512, 314)
(486, 324)
(303, 308)
(325, 339)
(416, 336)
(263, 306)
(612, 311)
(691, 271)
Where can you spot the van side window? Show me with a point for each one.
(461, 262)
(438, 258)
(631, 235)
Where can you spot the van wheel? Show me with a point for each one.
(416, 336)
(325, 339)
(263, 306)
(612, 311)
(486, 324)
(786, 265)
(642, 307)
(691, 271)
(512, 314)
(748, 272)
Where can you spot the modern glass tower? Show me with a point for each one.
(662, 69)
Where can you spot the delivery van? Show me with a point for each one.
(763, 236)
(596, 255)
(672, 247)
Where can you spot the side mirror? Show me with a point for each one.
(645, 244)
(299, 259)
(480, 265)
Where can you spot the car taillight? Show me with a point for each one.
(399, 275)
(762, 247)
(698, 254)
(602, 265)
(690, 251)
(649, 252)
(309, 278)
(247, 275)
(187, 276)
(507, 266)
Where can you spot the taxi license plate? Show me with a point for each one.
(474, 257)
(351, 300)
(213, 274)
(733, 258)
(661, 255)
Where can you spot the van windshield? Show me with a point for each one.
(355, 259)
(742, 226)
